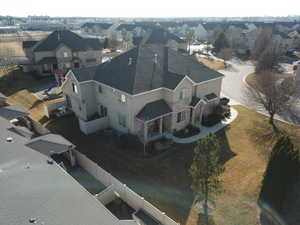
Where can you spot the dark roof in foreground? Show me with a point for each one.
(12, 111)
(68, 38)
(32, 188)
(153, 110)
(147, 67)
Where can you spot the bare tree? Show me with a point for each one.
(226, 54)
(262, 42)
(269, 95)
(190, 38)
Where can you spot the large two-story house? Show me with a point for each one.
(149, 91)
(62, 50)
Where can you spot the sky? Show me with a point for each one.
(150, 8)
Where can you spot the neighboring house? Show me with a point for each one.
(149, 91)
(62, 50)
(96, 28)
(200, 33)
(160, 36)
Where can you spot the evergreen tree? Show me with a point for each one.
(206, 169)
(221, 42)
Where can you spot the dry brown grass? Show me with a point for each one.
(211, 63)
(252, 81)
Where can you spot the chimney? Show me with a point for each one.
(155, 58)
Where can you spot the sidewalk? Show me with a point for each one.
(206, 130)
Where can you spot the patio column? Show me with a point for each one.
(160, 125)
(145, 132)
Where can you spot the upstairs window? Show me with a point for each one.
(74, 87)
(183, 94)
(100, 89)
(122, 120)
(181, 116)
(65, 54)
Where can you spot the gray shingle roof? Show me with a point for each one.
(211, 96)
(160, 36)
(100, 25)
(12, 111)
(153, 110)
(29, 44)
(32, 188)
(68, 38)
(144, 74)
(50, 143)
(195, 101)
(48, 60)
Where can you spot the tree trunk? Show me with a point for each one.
(272, 123)
(205, 205)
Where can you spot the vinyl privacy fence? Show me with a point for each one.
(126, 194)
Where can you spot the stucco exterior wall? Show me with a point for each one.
(73, 97)
(213, 86)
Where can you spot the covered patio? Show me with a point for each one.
(155, 120)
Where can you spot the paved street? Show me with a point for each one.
(233, 87)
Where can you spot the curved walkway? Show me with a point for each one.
(206, 130)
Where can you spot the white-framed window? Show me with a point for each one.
(123, 98)
(74, 87)
(122, 120)
(181, 116)
(100, 89)
(65, 54)
(183, 93)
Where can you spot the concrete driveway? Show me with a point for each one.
(234, 86)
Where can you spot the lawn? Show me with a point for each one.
(212, 63)
(165, 182)
(252, 81)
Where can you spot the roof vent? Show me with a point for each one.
(155, 58)
(32, 220)
(9, 139)
(129, 61)
(50, 161)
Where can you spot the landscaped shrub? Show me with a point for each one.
(189, 131)
(211, 120)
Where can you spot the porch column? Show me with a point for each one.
(160, 125)
(145, 132)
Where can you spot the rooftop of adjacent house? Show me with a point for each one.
(68, 38)
(35, 190)
(12, 111)
(159, 36)
(147, 67)
(29, 44)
